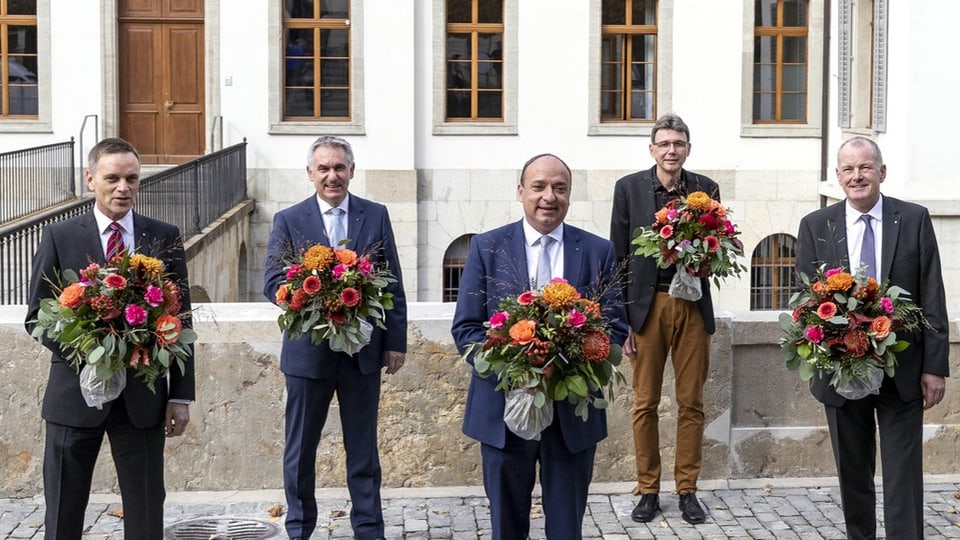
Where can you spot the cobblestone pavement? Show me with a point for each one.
(781, 508)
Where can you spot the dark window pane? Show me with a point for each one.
(610, 106)
(458, 47)
(641, 77)
(458, 75)
(334, 43)
(490, 104)
(489, 46)
(765, 13)
(22, 7)
(643, 48)
(335, 9)
(764, 78)
(22, 40)
(610, 78)
(644, 12)
(459, 11)
(297, 59)
(795, 12)
(23, 100)
(299, 102)
(764, 107)
(458, 104)
(489, 75)
(794, 106)
(614, 12)
(641, 105)
(490, 11)
(298, 9)
(794, 78)
(22, 70)
(765, 49)
(794, 50)
(334, 103)
(612, 47)
(335, 73)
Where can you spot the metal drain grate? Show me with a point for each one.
(221, 528)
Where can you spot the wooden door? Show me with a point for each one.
(161, 78)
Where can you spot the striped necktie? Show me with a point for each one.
(544, 266)
(115, 241)
(868, 249)
(337, 232)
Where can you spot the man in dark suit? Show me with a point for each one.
(137, 420)
(663, 325)
(502, 263)
(314, 373)
(905, 246)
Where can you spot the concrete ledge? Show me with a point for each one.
(762, 423)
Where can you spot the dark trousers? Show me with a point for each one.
(853, 429)
(509, 475)
(69, 457)
(308, 402)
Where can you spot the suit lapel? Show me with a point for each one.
(572, 255)
(143, 238)
(90, 245)
(891, 232)
(516, 243)
(355, 221)
(836, 237)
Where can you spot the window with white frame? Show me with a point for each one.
(861, 66)
(24, 65)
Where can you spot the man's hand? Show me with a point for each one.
(177, 417)
(629, 346)
(393, 360)
(933, 387)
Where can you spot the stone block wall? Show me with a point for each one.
(761, 420)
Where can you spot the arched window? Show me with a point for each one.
(453, 261)
(773, 277)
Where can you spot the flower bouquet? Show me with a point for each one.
(847, 326)
(694, 234)
(548, 345)
(125, 314)
(334, 294)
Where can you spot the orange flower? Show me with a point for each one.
(559, 293)
(819, 288)
(590, 307)
(167, 330)
(661, 215)
(841, 281)
(827, 310)
(523, 331)
(346, 257)
(881, 326)
(72, 296)
(699, 201)
(283, 294)
(171, 297)
(299, 297)
(350, 297)
(317, 257)
(856, 343)
(596, 346)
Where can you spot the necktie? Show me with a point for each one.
(115, 241)
(337, 233)
(544, 267)
(868, 253)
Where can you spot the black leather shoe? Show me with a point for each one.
(690, 509)
(647, 508)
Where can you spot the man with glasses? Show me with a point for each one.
(662, 325)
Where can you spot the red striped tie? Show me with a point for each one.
(115, 242)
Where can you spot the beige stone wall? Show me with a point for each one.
(761, 420)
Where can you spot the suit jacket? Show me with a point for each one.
(634, 205)
(910, 259)
(496, 267)
(369, 230)
(74, 244)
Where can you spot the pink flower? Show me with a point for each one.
(499, 319)
(576, 319)
(115, 281)
(135, 315)
(293, 271)
(365, 267)
(338, 271)
(832, 271)
(666, 231)
(886, 304)
(712, 242)
(728, 225)
(526, 298)
(153, 296)
(814, 334)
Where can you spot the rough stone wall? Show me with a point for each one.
(761, 420)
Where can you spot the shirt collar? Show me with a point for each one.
(103, 222)
(876, 212)
(531, 235)
(324, 205)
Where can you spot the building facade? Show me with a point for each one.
(444, 100)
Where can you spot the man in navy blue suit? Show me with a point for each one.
(504, 262)
(314, 373)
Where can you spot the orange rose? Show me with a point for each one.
(523, 331)
(283, 294)
(881, 326)
(661, 215)
(167, 330)
(346, 257)
(72, 296)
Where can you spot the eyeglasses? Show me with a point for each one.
(667, 145)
